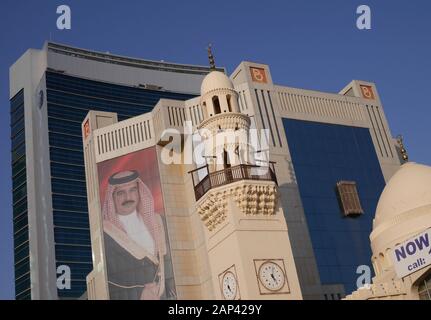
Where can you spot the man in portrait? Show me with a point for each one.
(135, 242)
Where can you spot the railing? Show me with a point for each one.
(230, 175)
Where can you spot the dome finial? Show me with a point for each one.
(211, 58)
(402, 149)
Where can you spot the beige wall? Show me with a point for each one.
(97, 286)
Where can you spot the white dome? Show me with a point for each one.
(215, 80)
(408, 189)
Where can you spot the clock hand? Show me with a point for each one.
(228, 286)
(272, 273)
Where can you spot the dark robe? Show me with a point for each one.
(125, 270)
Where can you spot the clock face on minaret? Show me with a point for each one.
(229, 286)
(271, 276)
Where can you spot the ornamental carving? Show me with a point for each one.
(212, 209)
(256, 199)
(251, 199)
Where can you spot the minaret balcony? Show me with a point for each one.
(230, 175)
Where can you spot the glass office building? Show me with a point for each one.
(70, 82)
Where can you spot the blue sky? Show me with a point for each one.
(307, 43)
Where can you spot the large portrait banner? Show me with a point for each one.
(137, 252)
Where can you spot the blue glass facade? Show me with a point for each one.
(19, 191)
(69, 99)
(322, 155)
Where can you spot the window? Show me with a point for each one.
(229, 103)
(216, 104)
(226, 160)
(349, 198)
(424, 289)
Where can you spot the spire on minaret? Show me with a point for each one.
(403, 151)
(211, 58)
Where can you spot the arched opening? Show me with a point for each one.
(424, 287)
(229, 105)
(227, 165)
(216, 104)
(226, 162)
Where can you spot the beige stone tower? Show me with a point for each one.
(247, 238)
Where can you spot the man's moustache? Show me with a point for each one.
(125, 203)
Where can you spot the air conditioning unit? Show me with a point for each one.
(348, 196)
